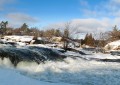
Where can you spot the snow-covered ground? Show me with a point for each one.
(91, 55)
(113, 45)
(19, 38)
(102, 56)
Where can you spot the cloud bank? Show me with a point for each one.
(89, 25)
(3, 3)
(17, 19)
(106, 8)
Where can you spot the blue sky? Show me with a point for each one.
(88, 14)
(46, 11)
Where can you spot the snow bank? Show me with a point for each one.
(39, 45)
(19, 38)
(113, 45)
(101, 56)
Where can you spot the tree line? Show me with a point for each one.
(25, 30)
(89, 39)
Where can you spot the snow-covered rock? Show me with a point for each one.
(115, 45)
(19, 38)
(39, 45)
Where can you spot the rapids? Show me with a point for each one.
(29, 54)
(44, 64)
(72, 71)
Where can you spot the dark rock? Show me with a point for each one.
(50, 54)
(30, 54)
(16, 55)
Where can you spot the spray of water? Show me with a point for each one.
(6, 63)
(73, 71)
(70, 70)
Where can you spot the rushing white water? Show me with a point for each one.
(72, 71)
(6, 63)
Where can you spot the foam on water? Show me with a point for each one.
(6, 63)
(70, 70)
(74, 71)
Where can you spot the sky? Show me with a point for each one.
(84, 15)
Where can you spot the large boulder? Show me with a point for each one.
(30, 54)
(49, 53)
(19, 54)
(115, 45)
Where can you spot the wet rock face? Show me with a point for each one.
(50, 54)
(16, 55)
(34, 54)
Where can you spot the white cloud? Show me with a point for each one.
(90, 25)
(5, 2)
(2, 2)
(115, 1)
(106, 8)
(17, 19)
(84, 3)
(21, 17)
